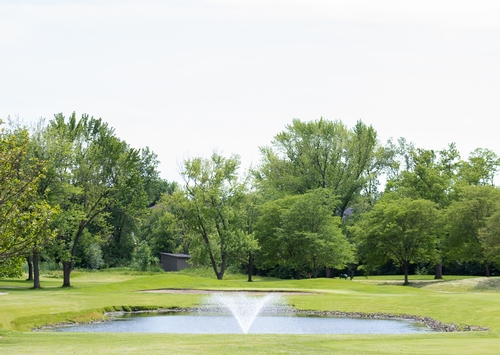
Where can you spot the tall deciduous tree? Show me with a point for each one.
(24, 216)
(213, 206)
(427, 175)
(90, 171)
(398, 229)
(320, 154)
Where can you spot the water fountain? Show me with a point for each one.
(245, 308)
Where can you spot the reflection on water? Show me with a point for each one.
(205, 324)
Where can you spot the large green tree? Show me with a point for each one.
(90, 174)
(24, 215)
(321, 154)
(426, 174)
(398, 229)
(213, 211)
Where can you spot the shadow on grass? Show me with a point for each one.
(411, 283)
(10, 286)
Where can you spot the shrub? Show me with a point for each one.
(142, 260)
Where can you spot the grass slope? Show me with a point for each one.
(471, 301)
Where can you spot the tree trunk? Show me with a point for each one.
(315, 273)
(405, 269)
(487, 269)
(220, 275)
(249, 267)
(297, 275)
(36, 270)
(438, 275)
(214, 267)
(68, 265)
(329, 273)
(30, 268)
(67, 268)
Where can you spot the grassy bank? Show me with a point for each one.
(470, 301)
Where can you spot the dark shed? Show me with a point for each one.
(174, 262)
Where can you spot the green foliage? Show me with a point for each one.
(489, 237)
(24, 216)
(321, 154)
(427, 175)
(12, 267)
(94, 254)
(398, 229)
(212, 209)
(161, 229)
(421, 270)
(128, 215)
(471, 222)
(299, 231)
(143, 260)
(480, 168)
(100, 184)
(311, 171)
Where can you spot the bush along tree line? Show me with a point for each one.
(75, 195)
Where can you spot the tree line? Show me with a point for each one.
(74, 194)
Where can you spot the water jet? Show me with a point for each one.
(245, 308)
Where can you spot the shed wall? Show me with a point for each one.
(173, 263)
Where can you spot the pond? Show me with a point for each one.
(194, 323)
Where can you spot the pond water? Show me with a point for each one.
(193, 323)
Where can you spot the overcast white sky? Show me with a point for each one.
(187, 77)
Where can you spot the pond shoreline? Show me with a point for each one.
(430, 322)
(433, 324)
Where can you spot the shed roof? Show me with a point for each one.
(180, 256)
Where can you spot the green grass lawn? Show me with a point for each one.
(459, 300)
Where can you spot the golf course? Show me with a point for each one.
(464, 301)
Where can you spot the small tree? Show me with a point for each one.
(299, 231)
(94, 255)
(142, 260)
(398, 229)
(212, 209)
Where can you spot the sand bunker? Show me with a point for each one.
(474, 284)
(477, 284)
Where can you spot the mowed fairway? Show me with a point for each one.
(468, 301)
